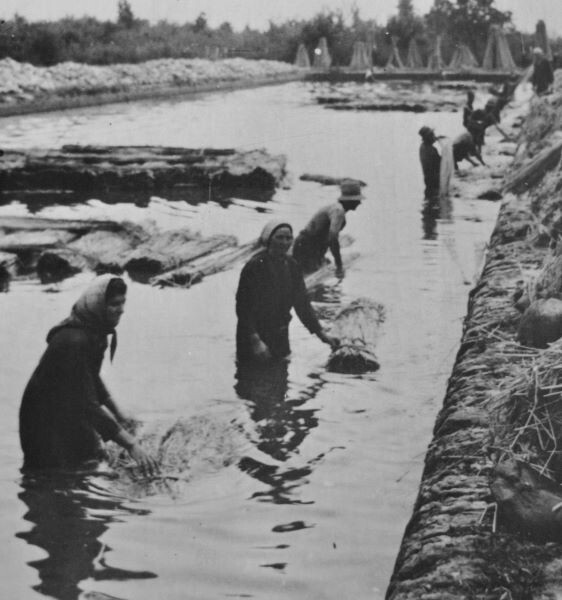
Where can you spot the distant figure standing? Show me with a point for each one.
(66, 411)
(476, 125)
(468, 109)
(542, 77)
(430, 160)
(323, 229)
(271, 284)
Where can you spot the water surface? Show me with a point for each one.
(300, 482)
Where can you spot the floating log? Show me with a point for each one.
(328, 180)
(386, 106)
(170, 250)
(126, 168)
(357, 326)
(9, 223)
(56, 253)
(533, 172)
(34, 240)
(374, 99)
(215, 262)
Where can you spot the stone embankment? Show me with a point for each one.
(487, 522)
(25, 88)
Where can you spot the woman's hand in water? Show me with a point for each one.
(260, 349)
(144, 460)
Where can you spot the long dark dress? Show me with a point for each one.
(542, 77)
(267, 291)
(431, 164)
(62, 414)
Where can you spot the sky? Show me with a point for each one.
(258, 13)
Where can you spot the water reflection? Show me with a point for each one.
(435, 208)
(282, 425)
(68, 519)
(37, 200)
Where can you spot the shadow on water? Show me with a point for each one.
(282, 424)
(434, 209)
(37, 200)
(68, 518)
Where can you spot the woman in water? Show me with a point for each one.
(66, 411)
(271, 284)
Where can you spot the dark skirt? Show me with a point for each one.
(276, 339)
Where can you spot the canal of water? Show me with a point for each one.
(300, 481)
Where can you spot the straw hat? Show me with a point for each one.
(350, 191)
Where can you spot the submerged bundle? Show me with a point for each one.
(497, 56)
(361, 58)
(357, 326)
(185, 449)
(302, 59)
(463, 58)
(322, 58)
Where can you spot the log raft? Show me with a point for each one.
(54, 249)
(92, 169)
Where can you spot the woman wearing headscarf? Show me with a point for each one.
(271, 284)
(66, 410)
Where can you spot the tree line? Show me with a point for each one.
(129, 39)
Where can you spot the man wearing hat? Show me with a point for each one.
(323, 229)
(430, 160)
(542, 77)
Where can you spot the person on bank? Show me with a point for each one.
(66, 410)
(271, 284)
(323, 229)
(542, 77)
(430, 160)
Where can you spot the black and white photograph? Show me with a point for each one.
(281, 299)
